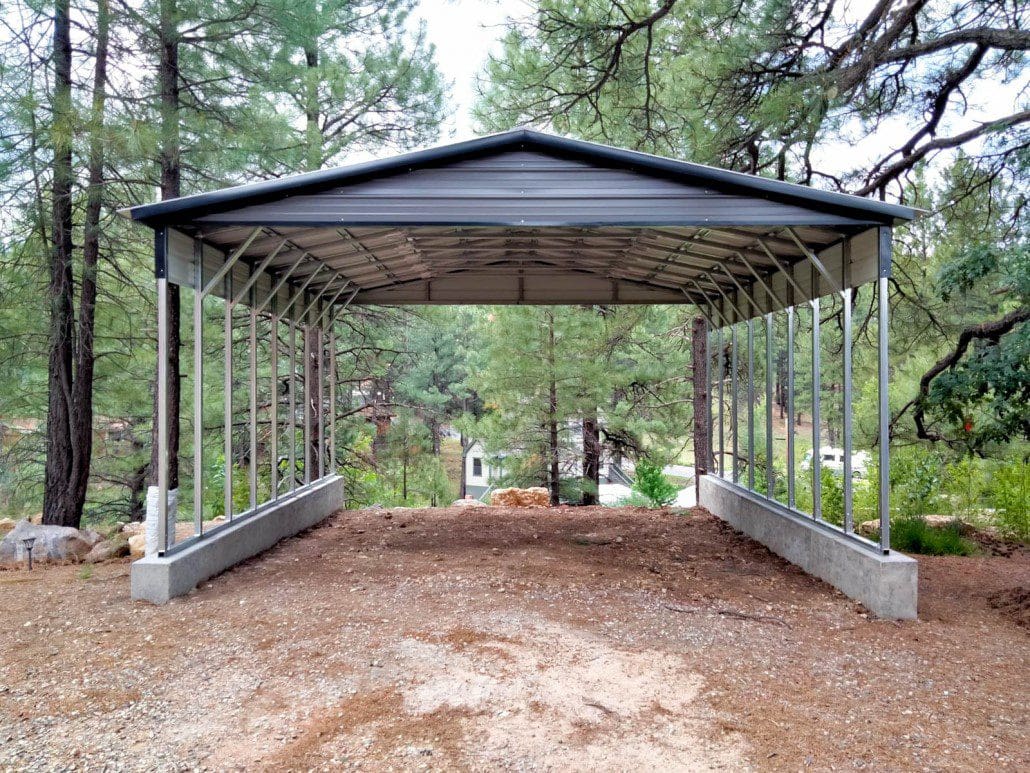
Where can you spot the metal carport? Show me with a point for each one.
(512, 218)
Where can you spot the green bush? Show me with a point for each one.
(916, 480)
(635, 499)
(652, 484)
(914, 535)
(779, 478)
(832, 485)
(1009, 495)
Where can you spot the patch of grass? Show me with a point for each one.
(914, 535)
(86, 571)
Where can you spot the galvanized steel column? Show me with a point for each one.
(817, 505)
(227, 399)
(770, 473)
(293, 405)
(252, 404)
(198, 387)
(884, 418)
(751, 404)
(273, 405)
(720, 376)
(791, 487)
(733, 403)
(162, 411)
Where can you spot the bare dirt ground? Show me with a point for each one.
(491, 639)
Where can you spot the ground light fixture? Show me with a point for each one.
(28, 542)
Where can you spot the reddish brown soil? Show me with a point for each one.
(487, 638)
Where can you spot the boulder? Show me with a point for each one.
(108, 550)
(137, 545)
(6, 524)
(133, 527)
(469, 501)
(53, 543)
(521, 497)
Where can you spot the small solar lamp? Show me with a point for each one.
(28, 542)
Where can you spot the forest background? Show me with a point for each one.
(106, 104)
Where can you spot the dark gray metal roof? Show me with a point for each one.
(723, 181)
(526, 217)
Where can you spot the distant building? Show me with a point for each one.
(483, 471)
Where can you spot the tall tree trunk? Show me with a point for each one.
(58, 499)
(552, 412)
(434, 434)
(312, 130)
(591, 459)
(463, 485)
(82, 419)
(171, 187)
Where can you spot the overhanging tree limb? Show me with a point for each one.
(987, 331)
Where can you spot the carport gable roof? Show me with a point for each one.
(527, 217)
(822, 203)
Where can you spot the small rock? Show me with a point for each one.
(107, 550)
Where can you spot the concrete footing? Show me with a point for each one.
(160, 578)
(886, 584)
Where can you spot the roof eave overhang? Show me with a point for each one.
(182, 210)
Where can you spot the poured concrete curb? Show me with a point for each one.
(886, 584)
(160, 578)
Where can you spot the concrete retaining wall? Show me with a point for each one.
(886, 584)
(158, 579)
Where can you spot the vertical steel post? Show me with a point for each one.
(198, 387)
(322, 385)
(751, 404)
(770, 473)
(734, 418)
(849, 486)
(252, 406)
(791, 487)
(307, 401)
(884, 410)
(162, 407)
(817, 492)
(701, 398)
(227, 398)
(273, 401)
(332, 398)
(720, 376)
(292, 424)
(710, 374)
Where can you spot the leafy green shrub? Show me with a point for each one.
(1009, 495)
(915, 482)
(779, 478)
(652, 483)
(832, 496)
(914, 535)
(635, 499)
(967, 485)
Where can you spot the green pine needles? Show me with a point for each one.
(652, 483)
